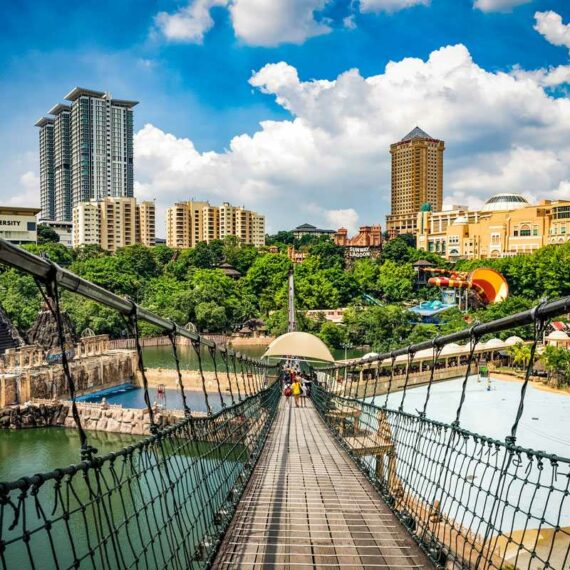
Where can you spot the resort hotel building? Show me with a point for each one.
(506, 225)
(417, 178)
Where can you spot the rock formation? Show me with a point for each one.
(44, 331)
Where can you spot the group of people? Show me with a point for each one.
(296, 385)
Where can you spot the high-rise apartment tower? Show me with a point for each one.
(188, 223)
(417, 180)
(47, 177)
(86, 152)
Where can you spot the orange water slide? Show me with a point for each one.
(490, 285)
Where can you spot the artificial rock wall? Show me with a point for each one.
(48, 381)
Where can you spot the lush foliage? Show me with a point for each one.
(47, 234)
(187, 285)
(556, 360)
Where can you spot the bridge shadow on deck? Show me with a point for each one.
(308, 506)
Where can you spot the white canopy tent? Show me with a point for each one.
(302, 345)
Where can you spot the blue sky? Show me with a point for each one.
(190, 64)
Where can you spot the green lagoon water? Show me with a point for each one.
(161, 356)
(28, 451)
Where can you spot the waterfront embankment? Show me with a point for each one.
(96, 417)
(191, 379)
(536, 382)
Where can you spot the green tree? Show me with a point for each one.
(20, 298)
(333, 335)
(280, 238)
(395, 250)
(56, 252)
(84, 252)
(383, 328)
(396, 280)
(366, 273)
(169, 298)
(163, 255)
(203, 257)
(556, 360)
(109, 272)
(138, 260)
(211, 317)
(328, 254)
(509, 306)
(520, 354)
(265, 278)
(239, 255)
(410, 239)
(90, 314)
(47, 234)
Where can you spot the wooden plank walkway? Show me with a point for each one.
(308, 506)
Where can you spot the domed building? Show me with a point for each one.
(504, 201)
(506, 225)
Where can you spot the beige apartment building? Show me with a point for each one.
(146, 223)
(113, 223)
(506, 225)
(417, 179)
(188, 223)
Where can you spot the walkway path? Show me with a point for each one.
(308, 506)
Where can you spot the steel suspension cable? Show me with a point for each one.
(539, 326)
(197, 349)
(393, 362)
(243, 378)
(133, 323)
(212, 351)
(474, 338)
(436, 354)
(408, 372)
(172, 337)
(225, 358)
(52, 300)
(234, 363)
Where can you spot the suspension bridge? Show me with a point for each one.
(345, 482)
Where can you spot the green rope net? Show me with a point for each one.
(470, 501)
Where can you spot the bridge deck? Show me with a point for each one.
(308, 506)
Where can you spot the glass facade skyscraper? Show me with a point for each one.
(86, 152)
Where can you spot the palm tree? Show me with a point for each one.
(520, 354)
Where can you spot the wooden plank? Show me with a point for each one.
(308, 506)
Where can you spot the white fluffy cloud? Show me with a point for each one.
(502, 132)
(550, 25)
(390, 5)
(549, 77)
(256, 22)
(339, 218)
(189, 24)
(498, 5)
(270, 22)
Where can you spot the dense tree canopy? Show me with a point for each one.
(186, 285)
(47, 234)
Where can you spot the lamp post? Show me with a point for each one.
(346, 346)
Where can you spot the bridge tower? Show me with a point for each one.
(292, 327)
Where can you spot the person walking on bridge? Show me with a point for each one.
(296, 390)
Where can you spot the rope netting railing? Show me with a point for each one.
(471, 501)
(165, 500)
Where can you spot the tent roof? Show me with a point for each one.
(301, 344)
